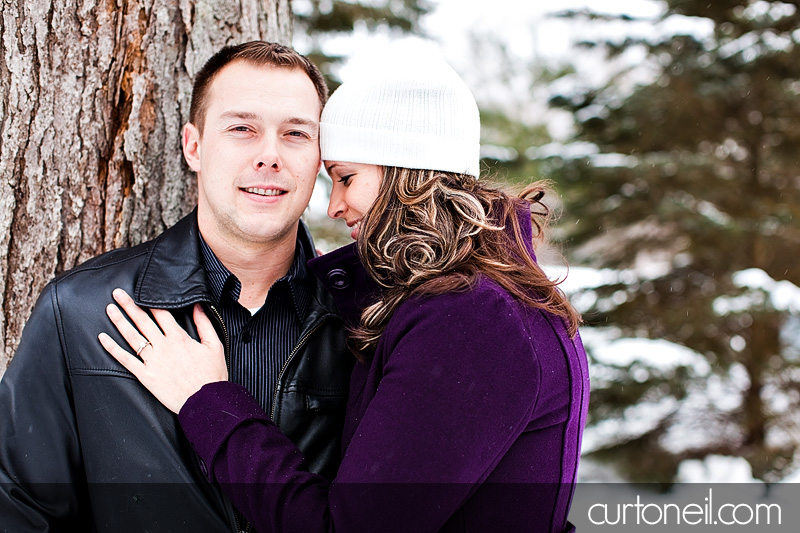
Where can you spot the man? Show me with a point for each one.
(83, 446)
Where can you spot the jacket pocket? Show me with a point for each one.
(318, 403)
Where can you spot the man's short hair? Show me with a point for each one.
(259, 53)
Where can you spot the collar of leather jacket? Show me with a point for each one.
(174, 274)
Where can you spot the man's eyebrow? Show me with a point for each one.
(302, 122)
(243, 115)
(249, 115)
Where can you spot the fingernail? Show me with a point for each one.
(118, 293)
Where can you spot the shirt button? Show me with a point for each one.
(338, 278)
(246, 337)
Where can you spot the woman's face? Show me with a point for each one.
(355, 187)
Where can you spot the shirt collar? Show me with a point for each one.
(223, 281)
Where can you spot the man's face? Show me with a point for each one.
(258, 154)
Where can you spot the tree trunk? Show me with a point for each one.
(93, 94)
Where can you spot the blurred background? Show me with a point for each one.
(671, 130)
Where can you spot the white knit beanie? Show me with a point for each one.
(418, 114)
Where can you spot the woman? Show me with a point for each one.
(469, 400)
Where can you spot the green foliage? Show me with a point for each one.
(697, 173)
(507, 88)
(510, 140)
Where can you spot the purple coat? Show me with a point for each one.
(468, 418)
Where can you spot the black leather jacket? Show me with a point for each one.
(84, 447)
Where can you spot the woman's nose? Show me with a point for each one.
(336, 207)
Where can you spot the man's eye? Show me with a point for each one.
(240, 129)
(299, 134)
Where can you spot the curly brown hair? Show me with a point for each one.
(431, 232)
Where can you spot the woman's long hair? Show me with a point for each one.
(431, 232)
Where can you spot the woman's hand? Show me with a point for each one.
(174, 366)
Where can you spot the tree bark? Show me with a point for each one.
(93, 94)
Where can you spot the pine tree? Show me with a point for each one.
(692, 203)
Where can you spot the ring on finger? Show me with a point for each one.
(145, 344)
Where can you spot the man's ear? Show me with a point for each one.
(190, 140)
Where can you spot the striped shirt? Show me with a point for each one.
(260, 343)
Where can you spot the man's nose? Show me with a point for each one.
(268, 155)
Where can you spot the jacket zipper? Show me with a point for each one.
(289, 359)
(218, 316)
(225, 333)
(294, 351)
